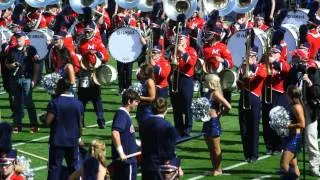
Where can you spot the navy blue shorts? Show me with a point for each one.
(212, 127)
(292, 143)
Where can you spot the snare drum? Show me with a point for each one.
(291, 37)
(5, 36)
(228, 79)
(40, 39)
(237, 45)
(297, 17)
(104, 75)
(125, 45)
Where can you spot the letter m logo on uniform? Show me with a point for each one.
(91, 46)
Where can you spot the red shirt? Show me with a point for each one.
(161, 78)
(187, 61)
(94, 44)
(13, 176)
(218, 49)
(284, 51)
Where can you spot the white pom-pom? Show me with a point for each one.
(49, 82)
(200, 109)
(280, 120)
(137, 87)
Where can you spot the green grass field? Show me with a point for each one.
(194, 154)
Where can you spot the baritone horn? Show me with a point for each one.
(5, 4)
(244, 6)
(223, 6)
(173, 8)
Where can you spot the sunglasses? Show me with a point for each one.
(6, 165)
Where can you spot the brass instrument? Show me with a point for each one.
(146, 5)
(246, 102)
(6, 4)
(175, 63)
(223, 6)
(267, 90)
(243, 6)
(78, 5)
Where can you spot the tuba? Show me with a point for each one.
(146, 5)
(78, 5)
(127, 4)
(5, 4)
(243, 6)
(223, 6)
(36, 3)
(173, 8)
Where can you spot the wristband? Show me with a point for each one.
(120, 150)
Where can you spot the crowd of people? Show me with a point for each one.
(168, 67)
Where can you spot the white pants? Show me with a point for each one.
(311, 138)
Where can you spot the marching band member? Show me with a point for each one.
(94, 53)
(313, 36)
(61, 58)
(8, 169)
(103, 23)
(62, 42)
(259, 22)
(5, 18)
(280, 70)
(123, 138)
(239, 24)
(146, 78)
(212, 129)
(85, 19)
(181, 100)
(305, 74)
(35, 19)
(195, 24)
(292, 143)
(64, 116)
(51, 14)
(23, 61)
(158, 141)
(249, 104)
(162, 69)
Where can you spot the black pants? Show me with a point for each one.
(150, 175)
(124, 76)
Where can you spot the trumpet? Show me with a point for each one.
(268, 83)
(246, 102)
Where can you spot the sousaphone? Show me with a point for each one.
(223, 6)
(5, 4)
(243, 6)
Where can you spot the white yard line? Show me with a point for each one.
(39, 168)
(262, 177)
(33, 155)
(3, 92)
(30, 141)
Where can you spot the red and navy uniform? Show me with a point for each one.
(36, 16)
(79, 30)
(93, 92)
(105, 26)
(313, 38)
(123, 124)
(158, 142)
(64, 133)
(284, 50)
(162, 71)
(280, 72)
(50, 19)
(181, 101)
(249, 118)
(218, 49)
(13, 176)
(124, 19)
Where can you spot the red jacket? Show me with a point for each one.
(187, 61)
(284, 51)
(161, 78)
(94, 44)
(278, 77)
(313, 38)
(35, 17)
(218, 49)
(256, 82)
(263, 27)
(197, 22)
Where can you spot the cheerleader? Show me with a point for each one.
(212, 128)
(291, 144)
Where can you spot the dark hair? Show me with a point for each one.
(129, 95)
(160, 105)
(294, 93)
(65, 55)
(146, 72)
(63, 85)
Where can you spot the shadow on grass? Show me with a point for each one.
(250, 174)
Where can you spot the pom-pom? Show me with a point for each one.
(280, 120)
(49, 82)
(24, 168)
(137, 87)
(200, 109)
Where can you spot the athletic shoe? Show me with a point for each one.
(34, 129)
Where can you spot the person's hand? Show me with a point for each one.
(182, 48)
(219, 59)
(271, 59)
(123, 157)
(33, 84)
(152, 62)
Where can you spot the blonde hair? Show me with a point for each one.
(213, 82)
(97, 149)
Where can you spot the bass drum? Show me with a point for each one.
(228, 79)
(125, 45)
(237, 45)
(5, 36)
(297, 17)
(40, 39)
(104, 75)
(291, 37)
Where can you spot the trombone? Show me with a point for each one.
(268, 83)
(246, 101)
(175, 63)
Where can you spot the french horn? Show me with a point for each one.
(223, 6)
(173, 8)
(243, 6)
